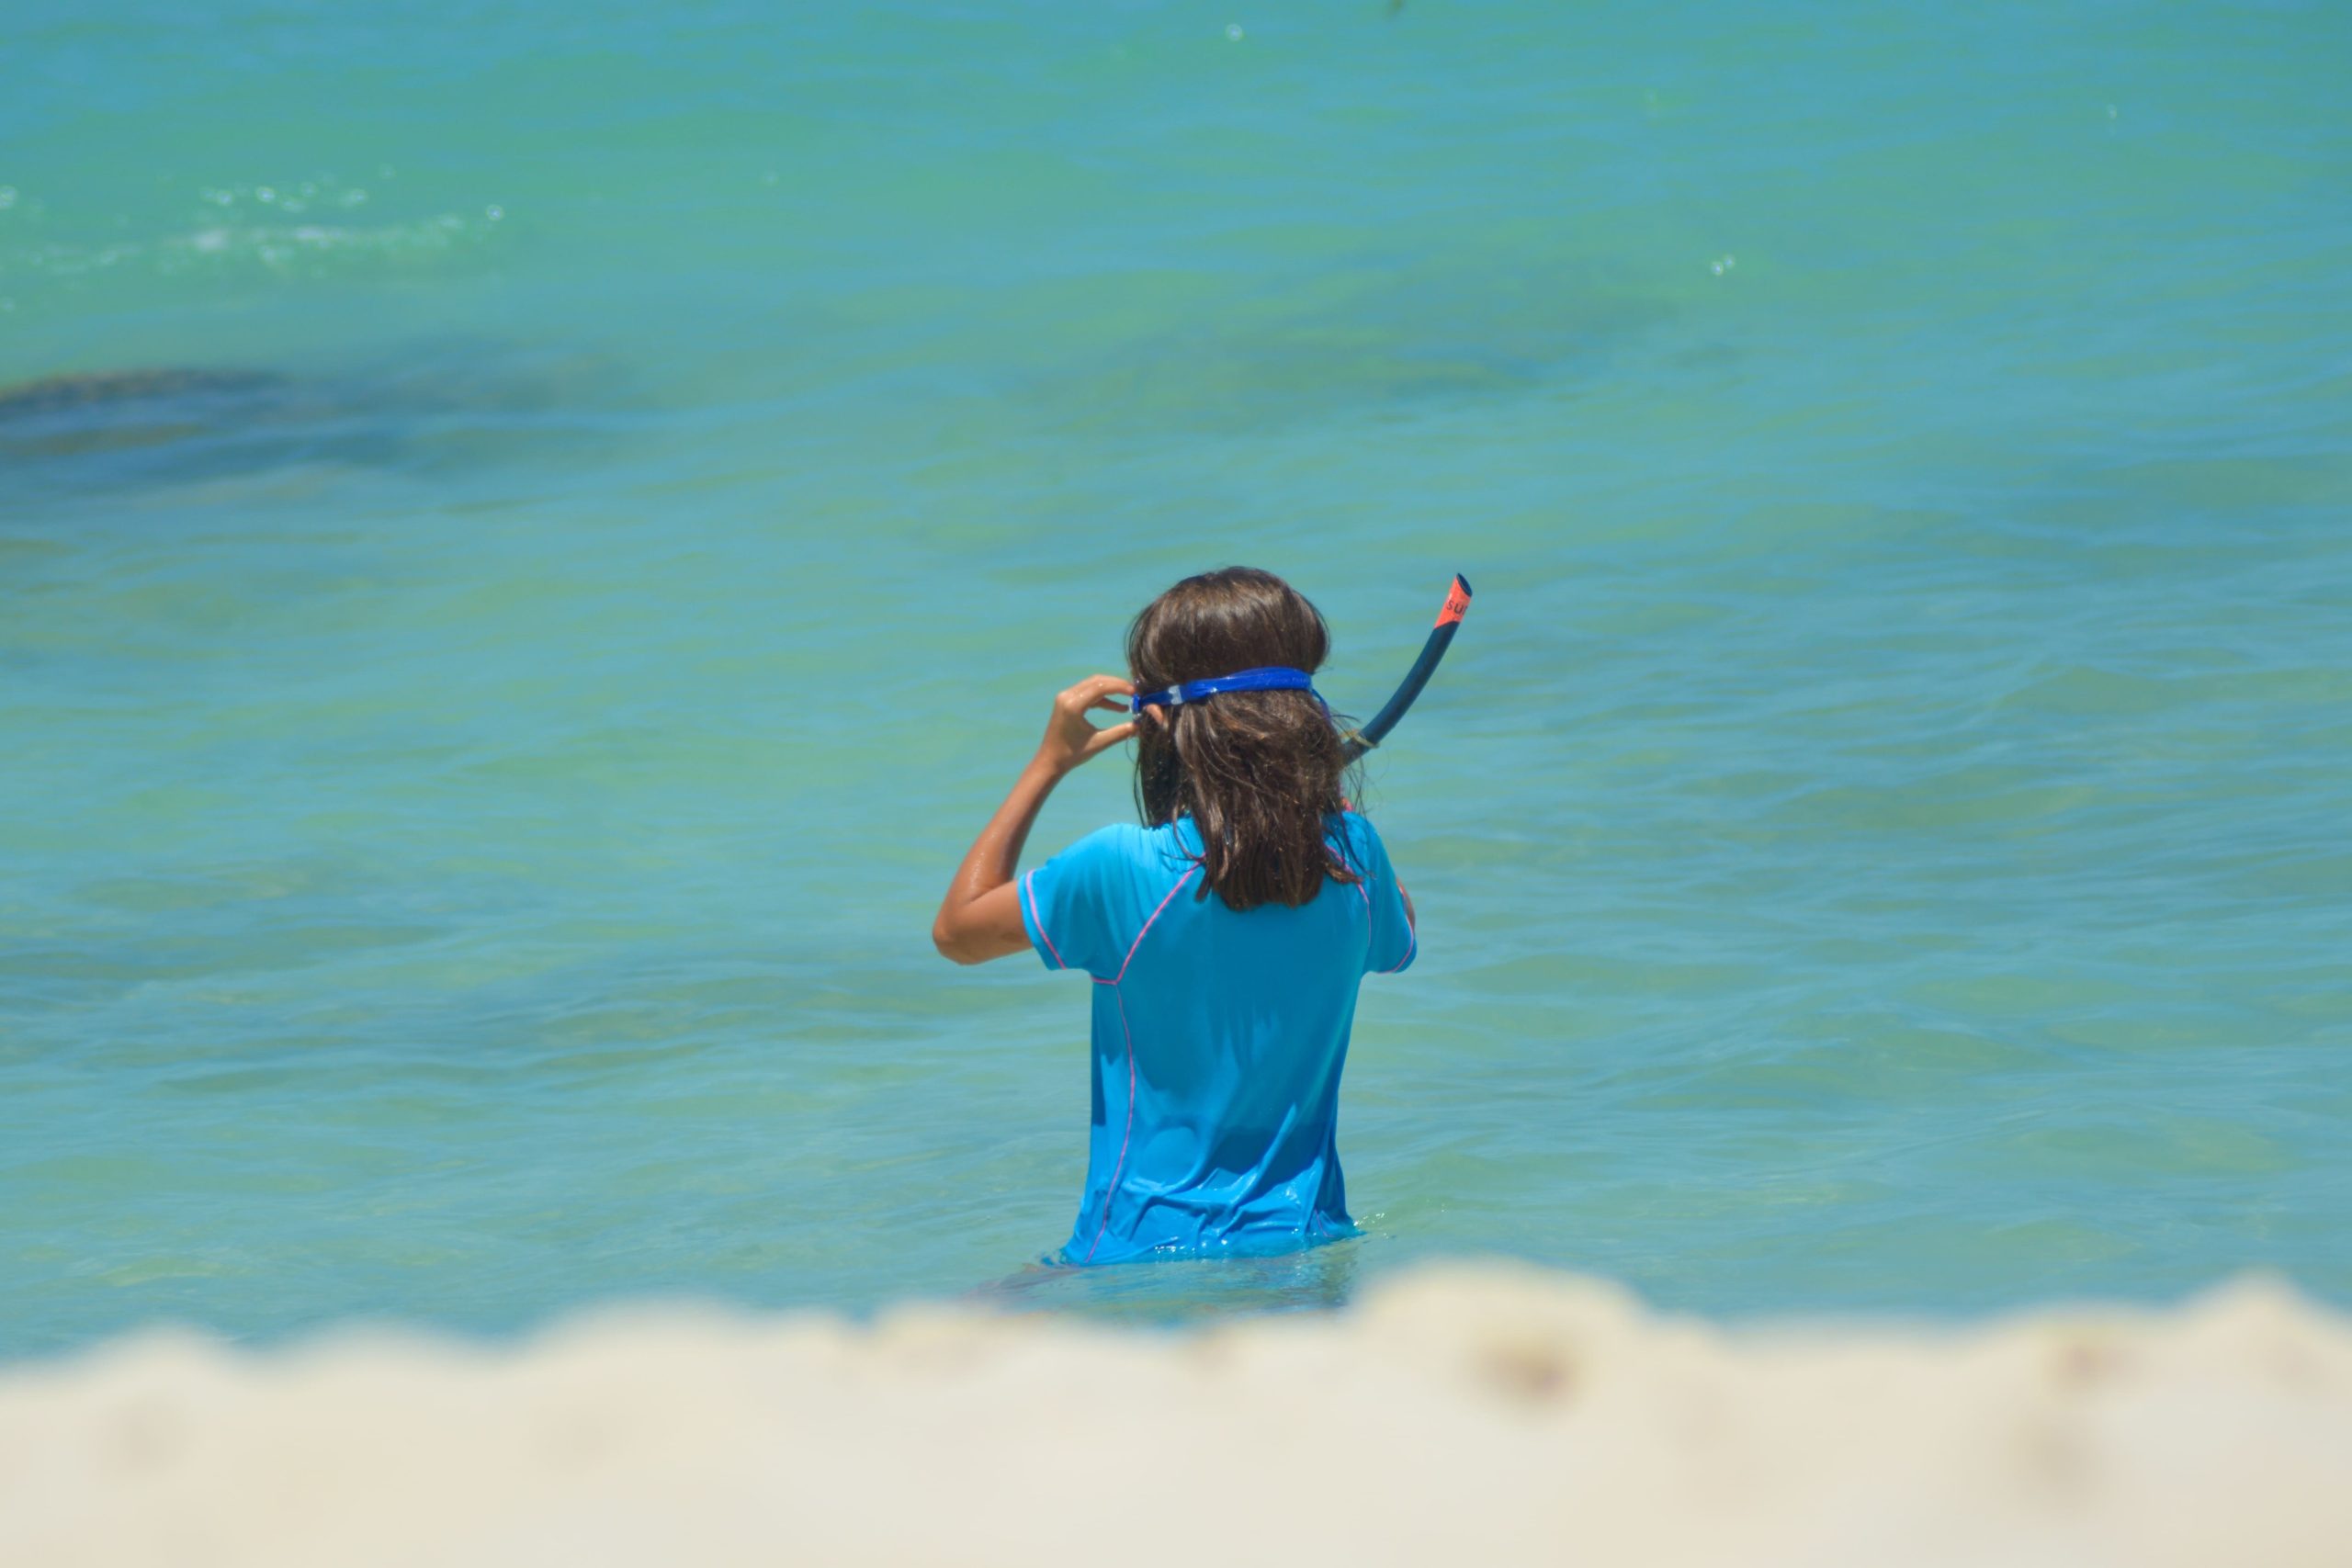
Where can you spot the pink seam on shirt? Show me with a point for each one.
(1119, 1167)
(1130, 958)
(1412, 933)
(1119, 1000)
(1029, 887)
(1146, 927)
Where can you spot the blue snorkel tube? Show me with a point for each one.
(1449, 621)
(1282, 678)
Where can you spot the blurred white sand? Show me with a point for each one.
(1475, 1416)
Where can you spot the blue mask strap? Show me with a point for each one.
(1275, 678)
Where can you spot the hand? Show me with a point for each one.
(1071, 738)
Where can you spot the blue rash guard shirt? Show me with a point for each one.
(1219, 1036)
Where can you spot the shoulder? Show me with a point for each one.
(1109, 840)
(1123, 846)
(1119, 840)
(1357, 837)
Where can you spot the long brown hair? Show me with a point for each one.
(1259, 772)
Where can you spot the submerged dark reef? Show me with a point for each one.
(99, 432)
(51, 394)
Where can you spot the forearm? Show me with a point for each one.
(995, 855)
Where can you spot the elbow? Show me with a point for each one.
(952, 943)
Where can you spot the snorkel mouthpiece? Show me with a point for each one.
(1274, 677)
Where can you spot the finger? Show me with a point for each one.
(1092, 691)
(1112, 705)
(1103, 739)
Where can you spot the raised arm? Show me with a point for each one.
(981, 916)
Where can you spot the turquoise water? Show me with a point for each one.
(478, 778)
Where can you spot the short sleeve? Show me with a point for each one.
(1394, 942)
(1071, 903)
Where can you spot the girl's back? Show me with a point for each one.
(1219, 1036)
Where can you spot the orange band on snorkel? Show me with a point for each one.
(1457, 604)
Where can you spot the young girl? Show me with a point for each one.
(1225, 936)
